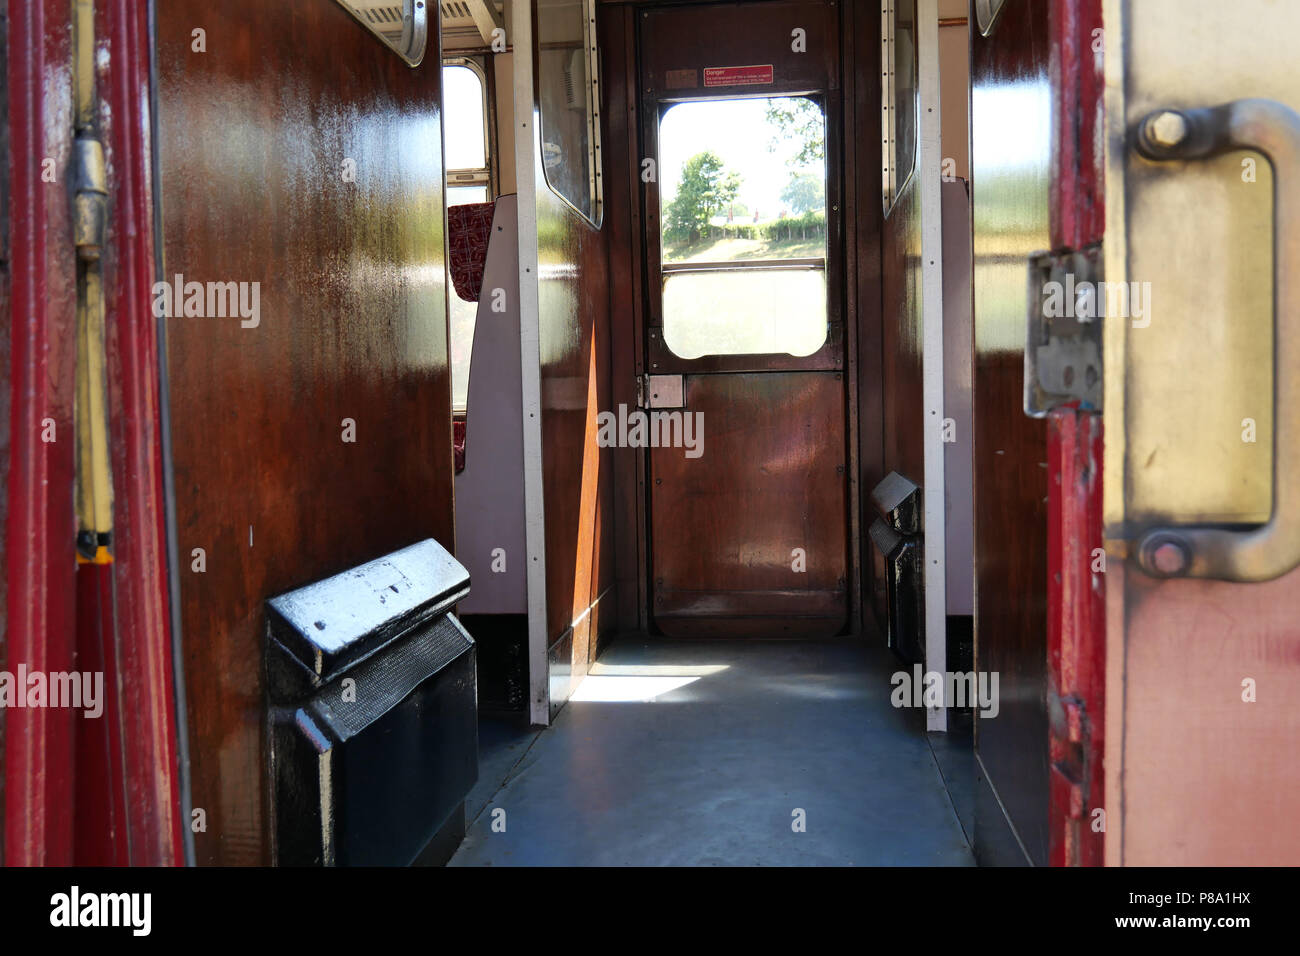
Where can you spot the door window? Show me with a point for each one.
(743, 226)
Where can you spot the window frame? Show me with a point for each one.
(891, 188)
(595, 180)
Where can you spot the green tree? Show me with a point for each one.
(705, 189)
(800, 120)
(803, 193)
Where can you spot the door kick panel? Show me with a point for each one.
(754, 527)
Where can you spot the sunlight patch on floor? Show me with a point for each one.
(638, 683)
(605, 689)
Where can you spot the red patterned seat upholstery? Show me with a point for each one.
(468, 229)
(458, 443)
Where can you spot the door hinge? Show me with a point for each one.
(94, 482)
(90, 201)
(1063, 340)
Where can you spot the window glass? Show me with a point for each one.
(464, 118)
(898, 97)
(745, 312)
(742, 213)
(568, 99)
(463, 195)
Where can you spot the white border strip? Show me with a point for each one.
(1115, 22)
(931, 159)
(539, 695)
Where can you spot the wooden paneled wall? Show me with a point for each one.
(904, 450)
(574, 309)
(1010, 170)
(899, 387)
(254, 135)
(616, 26)
(864, 267)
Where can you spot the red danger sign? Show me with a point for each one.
(738, 75)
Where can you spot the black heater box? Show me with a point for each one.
(373, 714)
(897, 534)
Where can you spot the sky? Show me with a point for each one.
(738, 132)
(463, 117)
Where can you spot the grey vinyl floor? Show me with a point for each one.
(746, 753)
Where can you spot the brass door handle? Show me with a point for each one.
(1272, 549)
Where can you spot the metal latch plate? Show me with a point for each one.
(1063, 345)
(665, 391)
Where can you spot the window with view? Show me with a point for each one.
(743, 226)
(468, 156)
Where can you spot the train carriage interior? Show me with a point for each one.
(651, 433)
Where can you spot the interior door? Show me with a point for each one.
(744, 337)
(1201, 444)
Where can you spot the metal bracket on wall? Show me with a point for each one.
(1063, 346)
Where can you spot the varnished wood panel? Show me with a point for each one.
(863, 304)
(617, 32)
(578, 476)
(692, 38)
(726, 525)
(904, 410)
(1010, 179)
(253, 134)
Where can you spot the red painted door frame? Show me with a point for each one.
(77, 789)
(1076, 608)
(40, 568)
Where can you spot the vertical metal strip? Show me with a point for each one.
(929, 165)
(526, 146)
(169, 481)
(1115, 250)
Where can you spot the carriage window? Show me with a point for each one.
(465, 112)
(468, 155)
(742, 215)
(568, 101)
(403, 25)
(898, 96)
